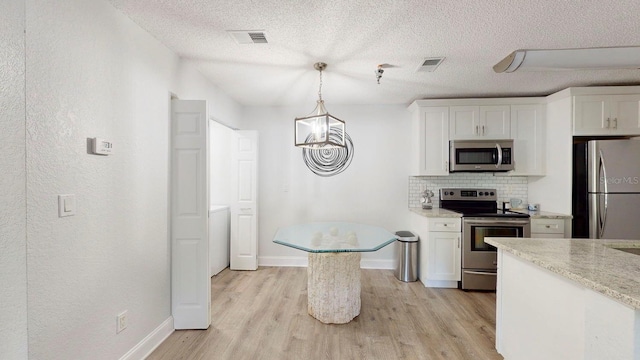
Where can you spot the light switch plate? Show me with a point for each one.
(66, 205)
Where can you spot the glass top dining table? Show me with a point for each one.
(327, 237)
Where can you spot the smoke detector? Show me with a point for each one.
(248, 36)
(430, 64)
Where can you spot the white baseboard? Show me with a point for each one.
(145, 347)
(440, 284)
(303, 261)
(294, 261)
(377, 264)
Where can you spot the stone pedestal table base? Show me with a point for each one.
(333, 286)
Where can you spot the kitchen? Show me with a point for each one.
(107, 76)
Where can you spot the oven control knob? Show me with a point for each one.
(451, 193)
(481, 193)
(492, 193)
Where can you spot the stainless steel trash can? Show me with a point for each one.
(407, 250)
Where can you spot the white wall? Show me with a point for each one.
(219, 163)
(91, 72)
(373, 190)
(13, 267)
(553, 191)
(192, 85)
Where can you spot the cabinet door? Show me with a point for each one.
(495, 122)
(464, 122)
(528, 133)
(444, 256)
(433, 140)
(590, 114)
(625, 114)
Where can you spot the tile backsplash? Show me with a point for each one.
(507, 186)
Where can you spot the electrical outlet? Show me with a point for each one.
(121, 321)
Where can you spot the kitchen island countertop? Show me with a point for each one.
(593, 263)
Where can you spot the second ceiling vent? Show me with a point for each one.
(430, 64)
(248, 36)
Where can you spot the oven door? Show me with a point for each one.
(476, 254)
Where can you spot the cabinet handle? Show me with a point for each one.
(477, 132)
(548, 226)
(615, 123)
(458, 242)
(608, 123)
(482, 130)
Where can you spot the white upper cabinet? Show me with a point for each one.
(606, 115)
(430, 143)
(479, 122)
(528, 124)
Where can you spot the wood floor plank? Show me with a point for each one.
(263, 315)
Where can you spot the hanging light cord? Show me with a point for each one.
(320, 87)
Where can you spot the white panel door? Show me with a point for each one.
(190, 286)
(528, 129)
(591, 113)
(444, 256)
(433, 129)
(625, 114)
(495, 122)
(244, 201)
(464, 122)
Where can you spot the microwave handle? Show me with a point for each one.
(499, 155)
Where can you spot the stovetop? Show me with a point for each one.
(497, 213)
(475, 203)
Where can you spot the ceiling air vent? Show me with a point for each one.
(249, 36)
(430, 64)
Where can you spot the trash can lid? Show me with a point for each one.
(407, 236)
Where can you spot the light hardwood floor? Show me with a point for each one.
(263, 315)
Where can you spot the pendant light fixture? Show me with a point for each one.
(320, 130)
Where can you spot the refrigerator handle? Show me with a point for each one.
(602, 171)
(602, 216)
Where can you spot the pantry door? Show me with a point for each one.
(244, 201)
(190, 283)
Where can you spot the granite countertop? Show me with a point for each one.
(436, 212)
(592, 263)
(543, 214)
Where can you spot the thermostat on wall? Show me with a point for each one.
(102, 146)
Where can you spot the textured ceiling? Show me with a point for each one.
(354, 36)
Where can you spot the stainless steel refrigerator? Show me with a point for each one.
(606, 189)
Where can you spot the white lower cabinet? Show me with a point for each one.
(550, 228)
(440, 250)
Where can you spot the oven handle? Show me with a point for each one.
(480, 273)
(497, 222)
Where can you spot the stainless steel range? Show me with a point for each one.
(481, 218)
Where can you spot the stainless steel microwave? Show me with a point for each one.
(481, 155)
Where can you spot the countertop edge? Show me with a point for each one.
(544, 214)
(435, 212)
(588, 283)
